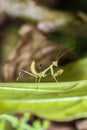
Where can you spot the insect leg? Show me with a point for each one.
(52, 73)
(26, 72)
(38, 81)
(55, 78)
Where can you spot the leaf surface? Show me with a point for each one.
(55, 101)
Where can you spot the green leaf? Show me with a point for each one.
(75, 71)
(56, 101)
(11, 119)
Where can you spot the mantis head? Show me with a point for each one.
(55, 63)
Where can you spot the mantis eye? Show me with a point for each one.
(55, 63)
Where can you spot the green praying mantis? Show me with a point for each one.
(39, 75)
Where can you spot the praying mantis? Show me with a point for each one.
(39, 75)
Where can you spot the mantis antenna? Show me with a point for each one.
(66, 53)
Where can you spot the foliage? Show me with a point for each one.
(55, 101)
(21, 124)
(65, 100)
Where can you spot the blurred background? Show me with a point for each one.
(41, 30)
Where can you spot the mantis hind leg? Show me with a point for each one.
(24, 71)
